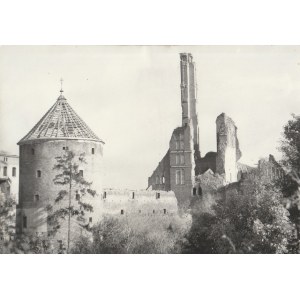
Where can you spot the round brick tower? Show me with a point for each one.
(60, 130)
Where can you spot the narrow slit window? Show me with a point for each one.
(165, 211)
(90, 219)
(104, 195)
(154, 211)
(132, 196)
(77, 196)
(5, 171)
(157, 195)
(194, 191)
(24, 222)
(14, 171)
(37, 197)
(39, 173)
(122, 211)
(81, 173)
(93, 150)
(199, 191)
(32, 151)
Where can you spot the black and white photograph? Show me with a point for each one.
(150, 149)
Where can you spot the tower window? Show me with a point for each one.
(77, 196)
(81, 173)
(60, 243)
(90, 219)
(32, 151)
(163, 179)
(157, 195)
(93, 150)
(122, 211)
(37, 197)
(5, 171)
(132, 195)
(165, 211)
(24, 222)
(14, 171)
(199, 191)
(154, 211)
(194, 191)
(104, 195)
(39, 173)
(177, 159)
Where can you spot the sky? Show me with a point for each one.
(130, 97)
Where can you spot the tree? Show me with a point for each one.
(134, 235)
(7, 220)
(290, 183)
(245, 219)
(71, 178)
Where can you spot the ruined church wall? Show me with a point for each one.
(228, 152)
(181, 144)
(160, 178)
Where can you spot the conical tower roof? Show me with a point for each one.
(60, 122)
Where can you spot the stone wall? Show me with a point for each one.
(138, 202)
(160, 178)
(228, 152)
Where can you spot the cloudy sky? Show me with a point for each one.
(130, 97)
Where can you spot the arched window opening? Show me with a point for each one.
(5, 171)
(182, 176)
(177, 177)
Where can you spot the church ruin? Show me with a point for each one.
(180, 168)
